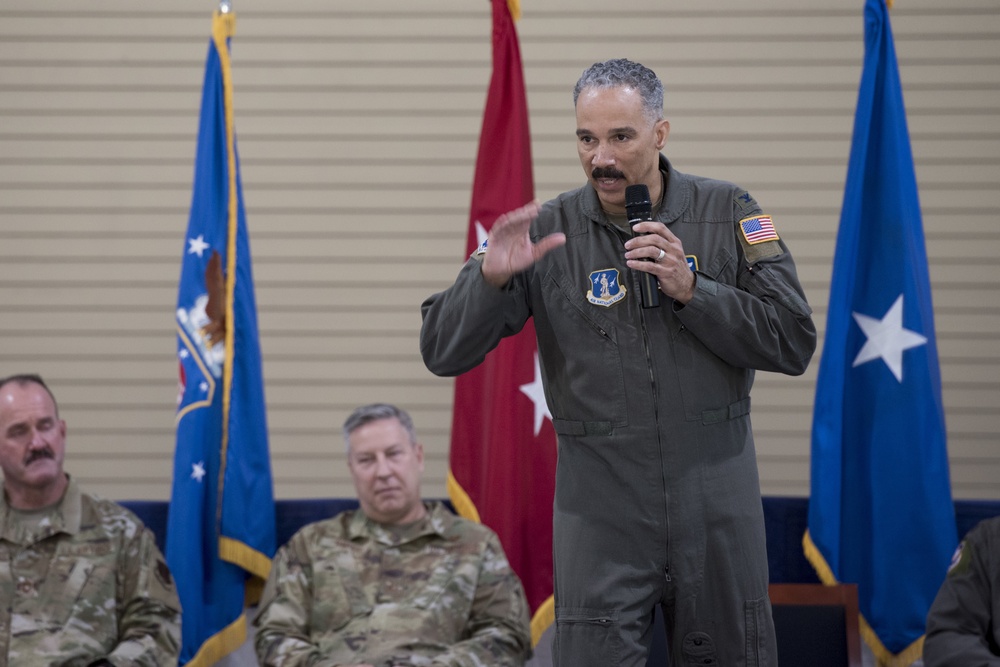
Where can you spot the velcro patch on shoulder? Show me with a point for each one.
(759, 237)
(758, 229)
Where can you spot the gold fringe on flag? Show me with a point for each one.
(219, 645)
(515, 9)
(461, 501)
(883, 657)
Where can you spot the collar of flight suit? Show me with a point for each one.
(674, 199)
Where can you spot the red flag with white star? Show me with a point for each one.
(503, 446)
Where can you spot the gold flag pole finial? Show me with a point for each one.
(888, 4)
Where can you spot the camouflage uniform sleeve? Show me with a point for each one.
(282, 620)
(150, 625)
(498, 631)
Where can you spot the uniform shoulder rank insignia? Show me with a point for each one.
(606, 288)
(758, 229)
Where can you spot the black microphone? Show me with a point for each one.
(639, 209)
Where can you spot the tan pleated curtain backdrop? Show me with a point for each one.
(357, 126)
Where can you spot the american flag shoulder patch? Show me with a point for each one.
(758, 229)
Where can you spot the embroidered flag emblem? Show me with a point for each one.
(758, 229)
(607, 289)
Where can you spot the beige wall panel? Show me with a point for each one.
(970, 447)
(361, 295)
(358, 129)
(969, 423)
(338, 396)
(136, 201)
(976, 474)
(437, 223)
(135, 469)
(345, 247)
(278, 175)
(963, 324)
(54, 143)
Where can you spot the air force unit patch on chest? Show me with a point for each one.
(606, 289)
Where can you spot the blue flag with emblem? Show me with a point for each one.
(220, 531)
(880, 512)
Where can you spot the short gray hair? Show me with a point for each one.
(367, 414)
(623, 73)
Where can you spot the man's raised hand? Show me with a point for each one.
(510, 250)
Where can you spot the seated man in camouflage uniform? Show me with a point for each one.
(397, 583)
(82, 582)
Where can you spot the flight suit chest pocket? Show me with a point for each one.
(712, 389)
(583, 361)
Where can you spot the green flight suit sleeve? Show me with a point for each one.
(962, 625)
(763, 321)
(467, 320)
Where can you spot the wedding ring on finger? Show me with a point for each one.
(660, 256)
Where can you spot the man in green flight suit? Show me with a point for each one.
(657, 498)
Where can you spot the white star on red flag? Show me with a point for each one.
(536, 392)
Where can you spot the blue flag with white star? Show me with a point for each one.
(880, 512)
(220, 529)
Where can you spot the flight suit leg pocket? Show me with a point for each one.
(759, 633)
(587, 638)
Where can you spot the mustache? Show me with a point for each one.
(37, 454)
(606, 172)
